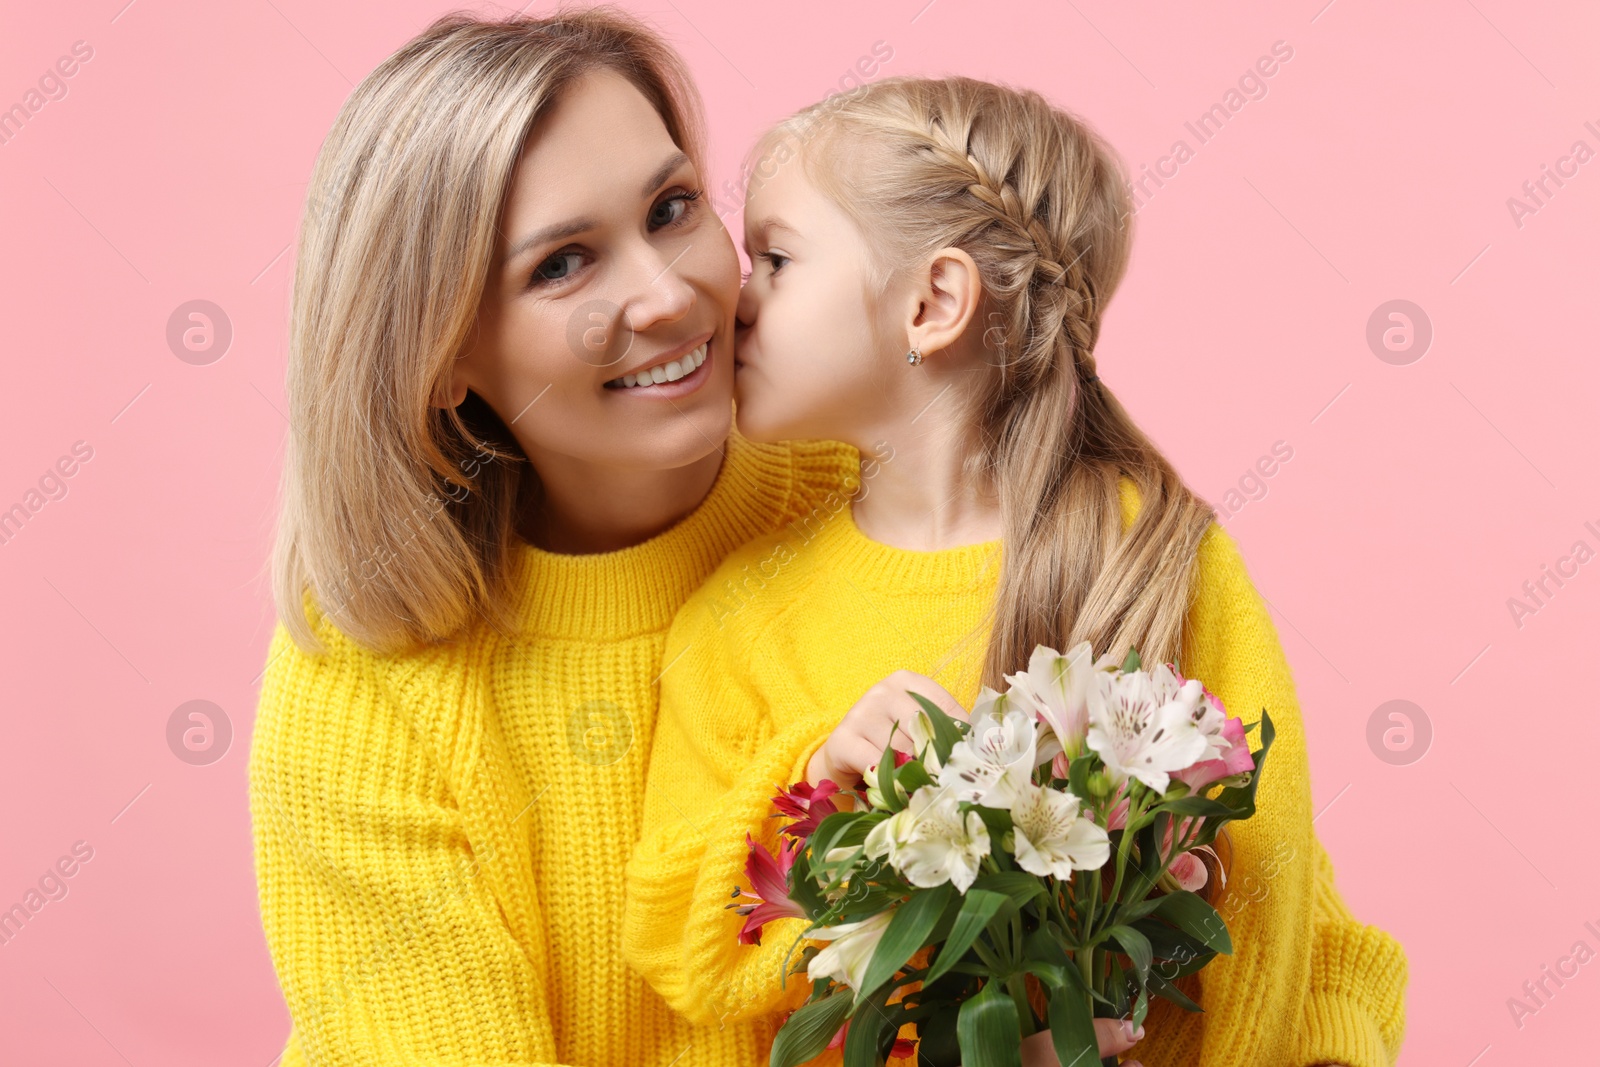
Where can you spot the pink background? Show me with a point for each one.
(1418, 499)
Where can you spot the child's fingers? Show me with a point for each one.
(927, 687)
(1116, 1035)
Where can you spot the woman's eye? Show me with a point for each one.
(673, 209)
(775, 260)
(557, 267)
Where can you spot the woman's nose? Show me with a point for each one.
(663, 293)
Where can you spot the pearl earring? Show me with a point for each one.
(914, 357)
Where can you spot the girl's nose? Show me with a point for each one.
(745, 312)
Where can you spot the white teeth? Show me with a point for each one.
(666, 372)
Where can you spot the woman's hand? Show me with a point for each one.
(857, 742)
(1116, 1036)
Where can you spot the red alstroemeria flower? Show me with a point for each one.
(807, 804)
(769, 877)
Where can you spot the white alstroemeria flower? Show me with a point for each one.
(875, 788)
(921, 732)
(998, 754)
(1055, 687)
(1143, 726)
(931, 841)
(1209, 715)
(850, 949)
(1051, 837)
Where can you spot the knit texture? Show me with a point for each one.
(765, 659)
(440, 835)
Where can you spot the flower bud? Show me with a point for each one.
(1099, 785)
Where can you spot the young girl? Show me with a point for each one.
(932, 262)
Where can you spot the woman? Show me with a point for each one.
(512, 463)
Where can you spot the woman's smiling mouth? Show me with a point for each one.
(668, 377)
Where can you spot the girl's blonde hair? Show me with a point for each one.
(398, 517)
(1039, 202)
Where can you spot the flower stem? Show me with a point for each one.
(1017, 987)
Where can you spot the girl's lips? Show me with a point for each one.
(689, 383)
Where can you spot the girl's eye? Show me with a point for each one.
(775, 260)
(558, 267)
(673, 209)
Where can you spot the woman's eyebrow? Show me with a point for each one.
(561, 230)
(558, 231)
(663, 172)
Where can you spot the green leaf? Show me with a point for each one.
(1137, 948)
(836, 832)
(866, 1032)
(807, 1032)
(988, 1031)
(1020, 886)
(1042, 945)
(1128, 913)
(886, 769)
(936, 1040)
(1130, 662)
(945, 731)
(912, 775)
(1072, 1029)
(1078, 772)
(1117, 985)
(1193, 805)
(1167, 991)
(1196, 918)
(1166, 942)
(907, 932)
(802, 890)
(979, 907)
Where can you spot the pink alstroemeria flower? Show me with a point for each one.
(1236, 760)
(1188, 870)
(807, 804)
(769, 879)
(1117, 818)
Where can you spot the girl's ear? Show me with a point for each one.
(945, 299)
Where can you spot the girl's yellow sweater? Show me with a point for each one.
(440, 836)
(764, 660)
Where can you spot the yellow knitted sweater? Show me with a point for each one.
(765, 659)
(440, 836)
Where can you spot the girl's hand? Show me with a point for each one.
(1116, 1036)
(857, 742)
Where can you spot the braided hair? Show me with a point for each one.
(1039, 201)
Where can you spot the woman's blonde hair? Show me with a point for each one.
(1039, 202)
(398, 517)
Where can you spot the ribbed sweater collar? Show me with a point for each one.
(636, 590)
(843, 549)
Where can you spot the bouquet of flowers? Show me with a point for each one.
(1036, 866)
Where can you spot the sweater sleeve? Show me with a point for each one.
(679, 931)
(1355, 1005)
(388, 945)
(1298, 952)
